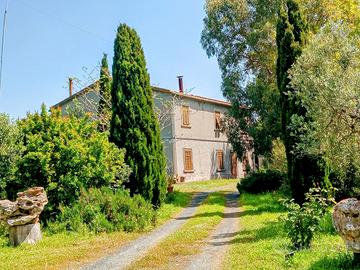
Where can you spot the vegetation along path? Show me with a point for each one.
(132, 252)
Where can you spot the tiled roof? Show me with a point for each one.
(93, 87)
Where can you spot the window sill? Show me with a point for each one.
(185, 126)
(188, 171)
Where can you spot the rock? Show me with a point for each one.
(22, 216)
(346, 220)
(7, 208)
(26, 209)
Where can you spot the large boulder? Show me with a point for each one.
(26, 209)
(346, 220)
(22, 216)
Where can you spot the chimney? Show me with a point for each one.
(181, 85)
(70, 87)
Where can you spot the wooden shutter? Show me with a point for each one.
(185, 116)
(188, 162)
(217, 120)
(220, 160)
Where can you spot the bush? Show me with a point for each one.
(302, 222)
(64, 155)
(105, 210)
(263, 181)
(347, 185)
(10, 151)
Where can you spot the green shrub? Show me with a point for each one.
(64, 155)
(348, 184)
(10, 151)
(263, 181)
(302, 222)
(105, 210)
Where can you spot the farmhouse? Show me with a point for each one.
(195, 146)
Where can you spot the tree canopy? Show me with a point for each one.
(326, 79)
(241, 35)
(134, 125)
(104, 108)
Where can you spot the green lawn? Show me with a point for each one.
(69, 250)
(65, 250)
(262, 244)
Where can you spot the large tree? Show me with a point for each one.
(291, 37)
(241, 35)
(134, 125)
(326, 79)
(104, 108)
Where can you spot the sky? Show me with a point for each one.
(46, 42)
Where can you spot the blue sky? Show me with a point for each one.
(48, 41)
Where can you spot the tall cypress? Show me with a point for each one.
(134, 125)
(104, 108)
(291, 34)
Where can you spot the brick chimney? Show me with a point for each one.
(181, 84)
(70, 87)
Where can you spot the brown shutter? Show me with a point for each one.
(185, 116)
(188, 162)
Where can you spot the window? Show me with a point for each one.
(220, 160)
(185, 116)
(217, 121)
(188, 162)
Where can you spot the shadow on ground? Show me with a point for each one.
(344, 261)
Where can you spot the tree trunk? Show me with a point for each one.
(29, 234)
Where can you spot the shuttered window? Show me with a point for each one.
(220, 160)
(185, 116)
(217, 120)
(188, 162)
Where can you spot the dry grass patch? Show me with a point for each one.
(62, 251)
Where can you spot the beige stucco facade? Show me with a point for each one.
(200, 135)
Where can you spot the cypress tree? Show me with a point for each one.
(134, 125)
(104, 108)
(291, 34)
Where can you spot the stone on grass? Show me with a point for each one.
(346, 220)
(22, 216)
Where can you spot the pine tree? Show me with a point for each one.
(104, 109)
(291, 34)
(134, 125)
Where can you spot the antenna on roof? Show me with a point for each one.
(3, 41)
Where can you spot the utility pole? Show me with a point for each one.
(3, 42)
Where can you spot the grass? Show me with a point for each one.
(69, 250)
(204, 185)
(61, 251)
(262, 244)
(175, 202)
(186, 241)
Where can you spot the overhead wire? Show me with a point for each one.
(55, 17)
(3, 43)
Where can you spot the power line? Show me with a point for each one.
(3, 42)
(55, 17)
